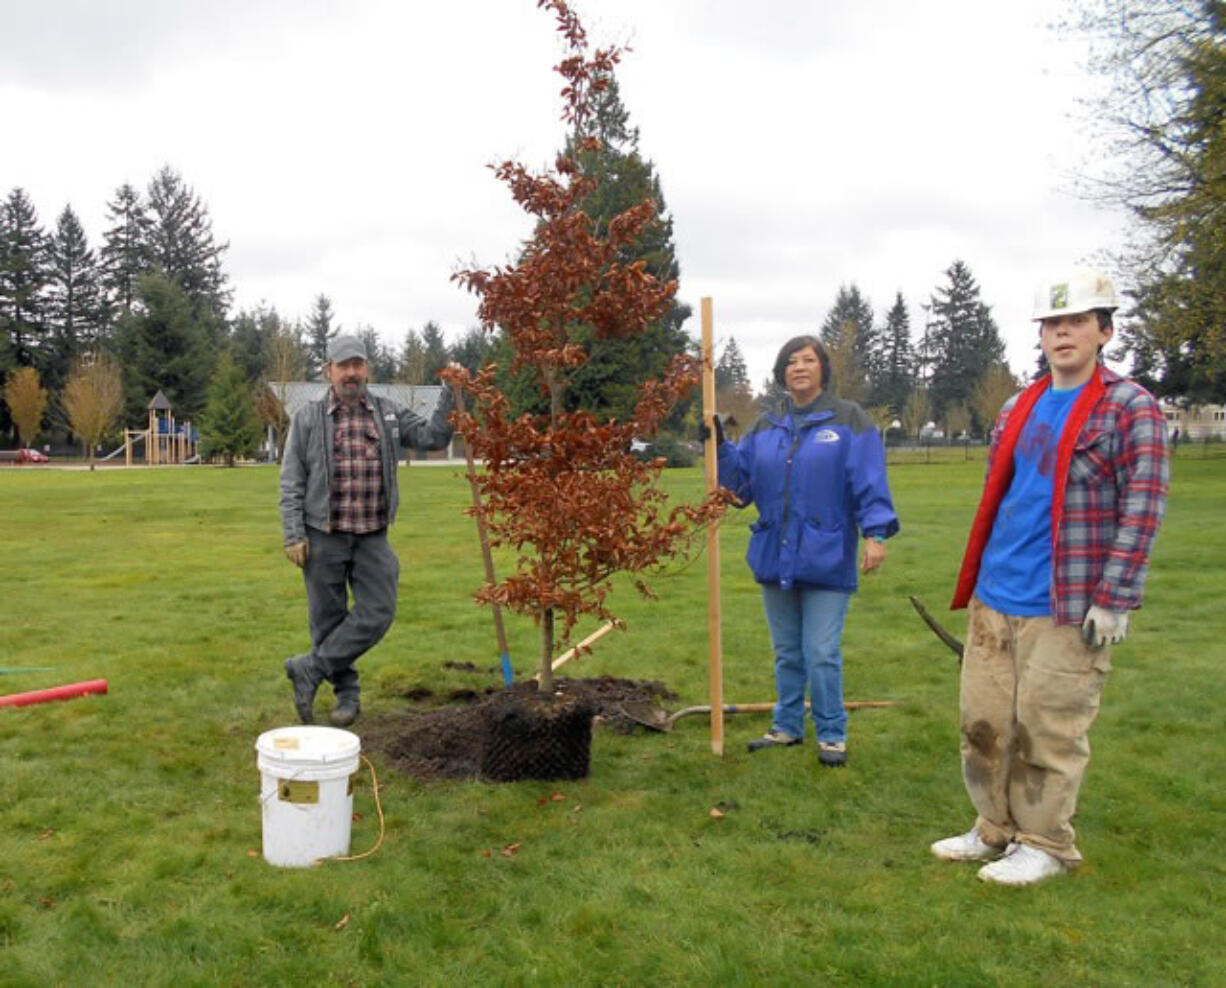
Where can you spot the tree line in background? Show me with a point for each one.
(151, 305)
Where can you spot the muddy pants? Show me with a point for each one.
(1030, 691)
(338, 563)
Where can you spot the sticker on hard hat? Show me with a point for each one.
(1059, 296)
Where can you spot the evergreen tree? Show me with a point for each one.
(379, 359)
(23, 278)
(125, 248)
(897, 358)
(472, 350)
(849, 331)
(251, 338)
(75, 307)
(181, 244)
(730, 369)
(229, 426)
(435, 351)
(163, 346)
(964, 338)
(608, 383)
(411, 363)
(319, 330)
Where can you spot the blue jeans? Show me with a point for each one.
(806, 626)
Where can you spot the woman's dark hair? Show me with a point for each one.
(794, 345)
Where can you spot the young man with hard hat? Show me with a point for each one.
(1057, 557)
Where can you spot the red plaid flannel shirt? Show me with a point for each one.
(358, 501)
(1109, 495)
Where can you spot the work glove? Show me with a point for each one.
(1102, 626)
(704, 431)
(297, 553)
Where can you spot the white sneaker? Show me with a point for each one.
(1022, 864)
(966, 847)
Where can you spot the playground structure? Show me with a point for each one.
(165, 440)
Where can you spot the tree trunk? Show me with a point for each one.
(547, 651)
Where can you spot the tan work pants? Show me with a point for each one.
(1030, 691)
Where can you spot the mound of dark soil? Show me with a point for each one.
(449, 742)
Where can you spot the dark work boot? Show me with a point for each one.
(306, 682)
(346, 710)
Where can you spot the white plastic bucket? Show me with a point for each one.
(306, 791)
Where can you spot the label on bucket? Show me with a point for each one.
(286, 743)
(292, 791)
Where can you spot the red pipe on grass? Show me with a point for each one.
(55, 693)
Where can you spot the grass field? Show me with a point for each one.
(130, 827)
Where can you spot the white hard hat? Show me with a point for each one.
(1082, 290)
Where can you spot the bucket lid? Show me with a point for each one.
(303, 743)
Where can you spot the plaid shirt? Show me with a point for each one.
(1109, 496)
(358, 502)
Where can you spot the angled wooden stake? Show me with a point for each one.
(714, 638)
(504, 656)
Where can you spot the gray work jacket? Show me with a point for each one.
(306, 467)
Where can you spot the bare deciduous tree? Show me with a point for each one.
(991, 391)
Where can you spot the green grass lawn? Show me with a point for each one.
(130, 827)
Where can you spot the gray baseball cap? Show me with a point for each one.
(345, 348)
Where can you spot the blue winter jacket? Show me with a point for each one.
(816, 476)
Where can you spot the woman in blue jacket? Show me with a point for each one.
(816, 470)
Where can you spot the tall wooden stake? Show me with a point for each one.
(504, 655)
(714, 638)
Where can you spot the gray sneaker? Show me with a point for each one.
(306, 684)
(832, 754)
(773, 739)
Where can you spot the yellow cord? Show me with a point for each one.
(374, 787)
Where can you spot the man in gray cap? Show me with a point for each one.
(338, 497)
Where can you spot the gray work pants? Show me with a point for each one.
(339, 563)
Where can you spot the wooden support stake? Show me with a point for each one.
(715, 641)
(504, 656)
(590, 640)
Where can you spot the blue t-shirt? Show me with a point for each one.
(1015, 575)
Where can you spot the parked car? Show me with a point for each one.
(28, 455)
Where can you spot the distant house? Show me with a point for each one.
(421, 398)
(1196, 421)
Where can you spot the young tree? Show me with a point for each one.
(75, 307)
(897, 358)
(229, 426)
(125, 252)
(957, 421)
(917, 413)
(562, 488)
(92, 399)
(992, 390)
(319, 330)
(964, 338)
(284, 363)
(26, 400)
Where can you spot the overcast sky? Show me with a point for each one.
(801, 144)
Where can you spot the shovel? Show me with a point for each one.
(651, 716)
